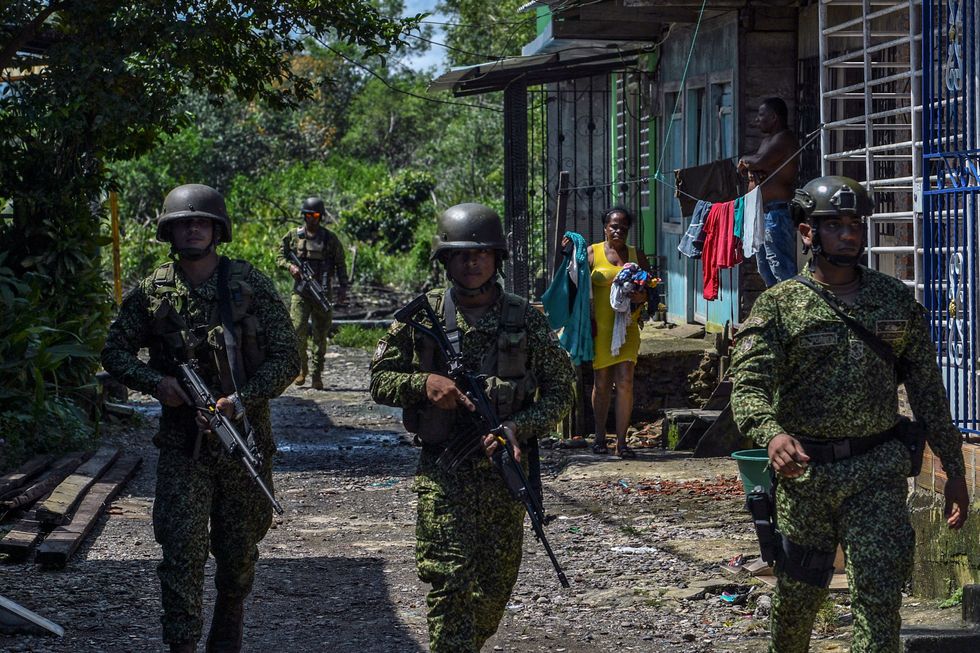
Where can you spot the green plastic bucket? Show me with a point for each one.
(753, 468)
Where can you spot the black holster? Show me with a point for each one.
(761, 504)
(912, 434)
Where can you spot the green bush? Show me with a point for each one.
(38, 372)
(351, 335)
(389, 216)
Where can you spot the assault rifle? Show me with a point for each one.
(462, 447)
(235, 445)
(309, 286)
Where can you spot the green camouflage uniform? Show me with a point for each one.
(325, 255)
(189, 491)
(469, 530)
(799, 369)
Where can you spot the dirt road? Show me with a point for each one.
(639, 539)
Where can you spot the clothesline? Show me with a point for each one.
(659, 178)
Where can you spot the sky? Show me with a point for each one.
(435, 56)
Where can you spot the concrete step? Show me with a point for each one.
(965, 639)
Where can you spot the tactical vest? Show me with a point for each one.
(311, 249)
(174, 339)
(510, 384)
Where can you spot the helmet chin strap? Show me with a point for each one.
(463, 291)
(191, 253)
(833, 259)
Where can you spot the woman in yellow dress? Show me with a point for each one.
(606, 259)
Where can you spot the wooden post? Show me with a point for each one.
(116, 257)
(561, 213)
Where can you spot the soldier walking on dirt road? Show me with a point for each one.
(816, 372)
(183, 313)
(469, 529)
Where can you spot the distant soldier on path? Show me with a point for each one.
(204, 498)
(323, 252)
(816, 371)
(469, 529)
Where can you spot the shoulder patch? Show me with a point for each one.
(745, 344)
(380, 351)
(754, 321)
(890, 330)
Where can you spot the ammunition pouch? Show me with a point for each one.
(431, 425)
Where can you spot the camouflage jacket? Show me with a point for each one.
(397, 379)
(799, 369)
(326, 245)
(133, 329)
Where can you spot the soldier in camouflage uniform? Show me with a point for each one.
(825, 405)
(175, 313)
(469, 530)
(323, 252)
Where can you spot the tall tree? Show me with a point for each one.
(105, 76)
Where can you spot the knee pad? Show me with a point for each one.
(806, 564)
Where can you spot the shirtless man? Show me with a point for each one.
(776, 257)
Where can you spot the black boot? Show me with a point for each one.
(226, 626)
(183, 647)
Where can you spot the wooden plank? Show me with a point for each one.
(63, 541)
(45, 484)
(56, 509)
(20, 541)
(12, 481)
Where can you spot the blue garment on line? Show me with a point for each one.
(693, 240)
(569, 307)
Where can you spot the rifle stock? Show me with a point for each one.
(232, 441)
(461, 448)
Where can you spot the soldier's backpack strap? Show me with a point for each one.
(449, 320)
(238, 273)
(512, 340)
(228, 323)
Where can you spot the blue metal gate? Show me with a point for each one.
(951, 196)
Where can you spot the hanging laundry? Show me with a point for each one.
(713, 182)
(568, 304)
(693, 239)
(721, 248)
(738, 215)
(753, 223)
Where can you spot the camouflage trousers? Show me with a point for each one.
(300, 311)
(189, 494)
(469, 537)
(859, 503)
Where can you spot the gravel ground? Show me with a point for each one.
(337, 570)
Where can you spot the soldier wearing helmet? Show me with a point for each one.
(816, 370)
(181, 313)
(469, 529)
(323, 252)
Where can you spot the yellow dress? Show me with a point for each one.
(603, 273)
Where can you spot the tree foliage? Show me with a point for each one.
(108, 87)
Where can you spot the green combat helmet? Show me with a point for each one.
(469, 226)
(194, 201)
(829, 197)
(313, 205)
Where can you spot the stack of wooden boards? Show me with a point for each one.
(59, 500)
